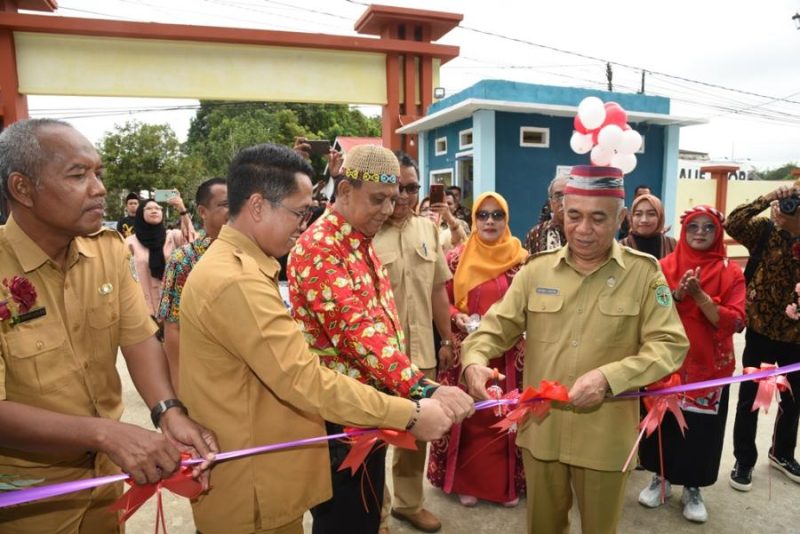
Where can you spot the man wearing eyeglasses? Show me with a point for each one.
(409, 247)
(341, 294)
(549, 235)
(247, 371)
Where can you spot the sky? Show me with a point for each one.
(733, 63)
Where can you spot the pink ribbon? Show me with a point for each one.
(768, 388)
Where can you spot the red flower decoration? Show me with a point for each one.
(22, 291)
(5, 313)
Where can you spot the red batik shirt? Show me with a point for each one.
(342, 296)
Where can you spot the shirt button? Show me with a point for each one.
(574, 342)
(39, 345)
(85, 365)
(619, 309)
(580, 310)
(543, 307)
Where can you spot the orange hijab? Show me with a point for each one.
(481, 261)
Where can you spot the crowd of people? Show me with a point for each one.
(401, 314)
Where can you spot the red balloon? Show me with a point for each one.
(579, 127)
(615, 115)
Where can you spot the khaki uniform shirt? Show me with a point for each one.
(247, 374)
(412, 255)
(620, 319)
(65, 361)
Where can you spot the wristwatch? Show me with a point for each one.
(162, 406)
(446, 343)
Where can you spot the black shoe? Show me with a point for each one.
(788, 466)
(741, 478)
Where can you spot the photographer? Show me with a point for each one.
(772, 337)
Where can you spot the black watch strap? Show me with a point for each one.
(162, 406)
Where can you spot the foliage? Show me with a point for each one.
(784, 172)
(221, 129)
(141, 156)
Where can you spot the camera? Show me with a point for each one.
(788, 206)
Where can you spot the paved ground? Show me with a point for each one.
(771, 507)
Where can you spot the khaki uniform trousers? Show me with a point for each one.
(600, 496)
(84, 512)
(408, 472)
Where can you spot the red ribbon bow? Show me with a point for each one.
(362, 442)
(180, 483)
(531, 402)
(657, 407)
(768, 387)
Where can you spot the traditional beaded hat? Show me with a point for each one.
(595, 181)
(371, 163)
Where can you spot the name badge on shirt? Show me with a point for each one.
(547, 291)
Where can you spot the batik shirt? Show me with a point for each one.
(546, 235)
(180, 264)
(341, 295)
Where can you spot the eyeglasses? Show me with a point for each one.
(497, 215)
(694, 228)
(411, 189)
(557, 196)
(303, 216)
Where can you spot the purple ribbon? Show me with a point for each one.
(21, 496)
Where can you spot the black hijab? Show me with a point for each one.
(152, 237)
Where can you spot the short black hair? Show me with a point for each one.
(203, 196)
(641, 186)
(454, 188)
(267, 169)
(132, 196)
(407, 161)
(449, 193)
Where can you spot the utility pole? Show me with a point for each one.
(641, 91)
(609, 76)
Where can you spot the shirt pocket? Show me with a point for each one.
(38, 359)
(619, 319)
(544, 318)
(103, 329)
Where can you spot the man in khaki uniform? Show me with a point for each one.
(246, 370)
(409, 248)
(599, 319)
(70, 302)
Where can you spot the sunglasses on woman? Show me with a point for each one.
(497, 215)
(695, 228)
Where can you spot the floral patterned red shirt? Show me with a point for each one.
(342, 296)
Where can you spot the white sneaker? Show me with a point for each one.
(694, 509)
(651, 495)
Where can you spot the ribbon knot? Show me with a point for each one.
(362, 441)
(768, 387)
(532, 402)
(180, 483)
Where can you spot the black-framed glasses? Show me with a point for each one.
(411, 189)
(695, 228)
(303, 216)
(497, 215)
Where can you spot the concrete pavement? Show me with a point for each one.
(773, 506)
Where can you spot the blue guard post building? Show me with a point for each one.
(512, 137)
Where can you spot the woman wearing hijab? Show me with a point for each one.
(647, 228)
(473, 460)
(150, 244)
(709, 293)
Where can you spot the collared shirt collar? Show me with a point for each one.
(267, 264)
(31, 256)
(354, 238)
(563, 255)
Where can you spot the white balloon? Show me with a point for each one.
(601, 156)
(624, 162)
(591, 112)
(631, 142)
(610, 137)
(580, 143)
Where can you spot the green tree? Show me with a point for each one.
(220, 129)
(141, 156)
(784, 172)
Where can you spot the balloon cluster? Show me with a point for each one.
(603, 130)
